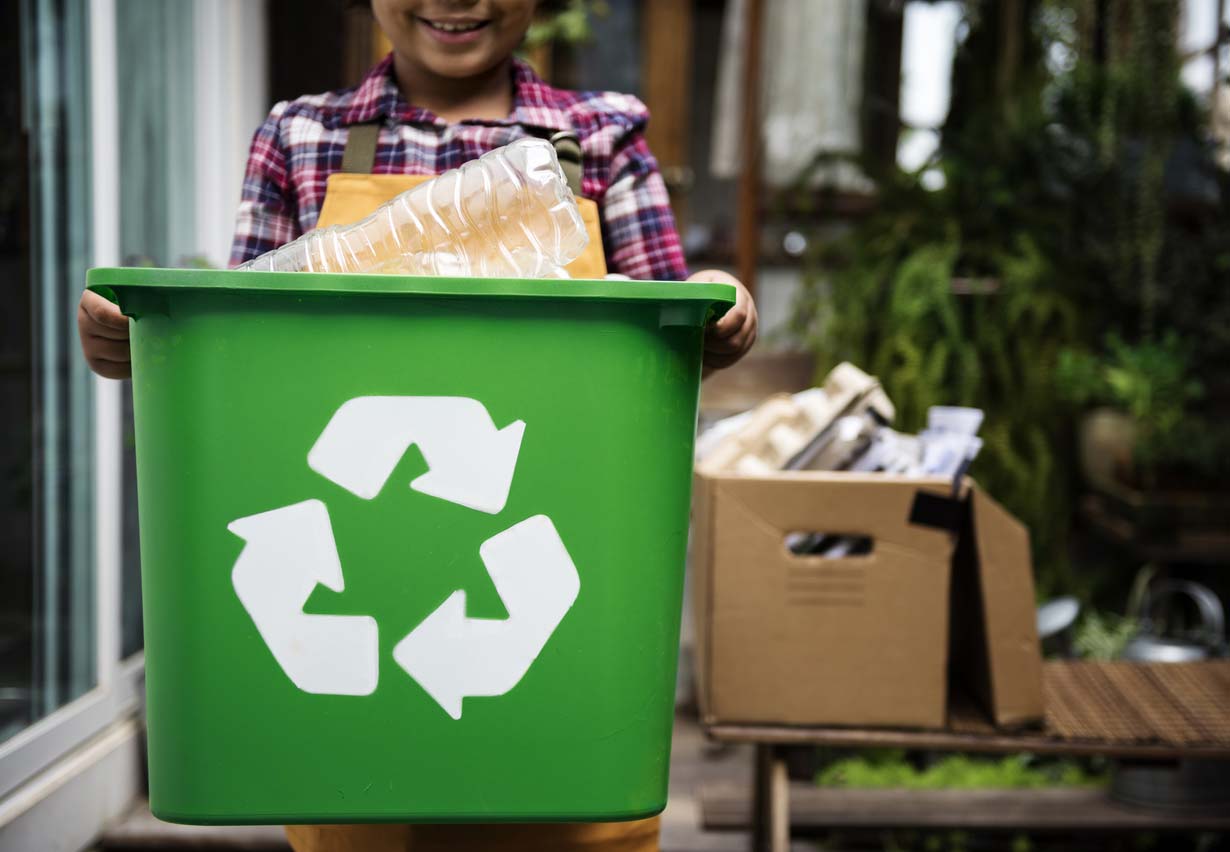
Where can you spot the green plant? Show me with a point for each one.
(884, 299)
(1103, 636)
(1152, 382)
(570, 24)
(889, 768)
(955, 296)
(1059, 200)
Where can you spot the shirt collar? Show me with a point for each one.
(377, 96)
(535, 103)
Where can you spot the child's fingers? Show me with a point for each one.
(736, 345)
(90, 327)
(721, 360)
(104, 312)
(739, 312)
(738, 336)
(742, 314)
(730, 322)
(108, 349)
(729, 337)
(111, 369)
(716, 343)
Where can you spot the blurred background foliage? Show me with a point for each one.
(1066, 246)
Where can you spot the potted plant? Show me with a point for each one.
(1153, 458)
(1088, 199)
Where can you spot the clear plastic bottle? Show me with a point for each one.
(507, 214)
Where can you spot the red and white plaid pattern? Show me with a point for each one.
(301, 144)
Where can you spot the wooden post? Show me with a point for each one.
(1011, 25)
(1217, 43)
(747, 247)
(666, 65)
(771, 801)
(880, 114)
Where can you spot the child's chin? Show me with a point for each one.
(459, 61)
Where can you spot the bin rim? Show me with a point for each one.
(106, 280)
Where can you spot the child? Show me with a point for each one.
(451, 91)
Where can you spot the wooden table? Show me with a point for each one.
(1114, 710)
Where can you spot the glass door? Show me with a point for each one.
(47, 631)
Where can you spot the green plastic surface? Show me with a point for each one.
(235, 376)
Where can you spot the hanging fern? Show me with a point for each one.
(931, 347)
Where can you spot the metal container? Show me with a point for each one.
(1208, 640)
(1185, 786)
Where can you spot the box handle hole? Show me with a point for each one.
(828, 545)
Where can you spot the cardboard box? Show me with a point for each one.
(943, 602)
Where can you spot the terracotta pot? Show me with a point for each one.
(1106, 438)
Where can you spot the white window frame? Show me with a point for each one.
(232, 99)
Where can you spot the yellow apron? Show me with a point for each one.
(348, 198)
(639, 836)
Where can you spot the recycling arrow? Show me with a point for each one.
(453, 656)
(288, 551)
(471, 462)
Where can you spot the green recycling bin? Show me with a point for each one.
(412, 548)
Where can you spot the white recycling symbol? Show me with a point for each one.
(289, 550)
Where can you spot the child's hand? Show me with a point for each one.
(104, 336)
(729, 339)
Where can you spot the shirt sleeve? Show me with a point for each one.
(267, 209)
(638, 227)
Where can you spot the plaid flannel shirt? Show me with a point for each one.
(301, 142)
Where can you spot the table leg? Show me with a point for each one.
(771, 802)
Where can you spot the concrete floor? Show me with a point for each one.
(694, 762)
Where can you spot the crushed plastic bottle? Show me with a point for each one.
(507, 214)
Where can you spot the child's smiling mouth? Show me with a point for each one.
(455, 30)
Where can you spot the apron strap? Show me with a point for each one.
(359, 156)
(568, 150)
